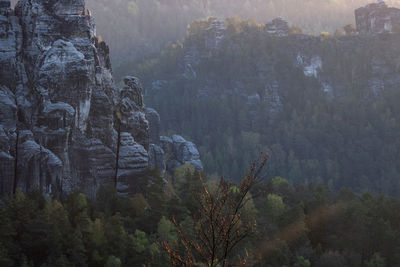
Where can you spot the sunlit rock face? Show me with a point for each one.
(378, 18)
(60, 111)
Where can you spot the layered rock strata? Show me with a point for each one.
(60, 112)
(378, 18)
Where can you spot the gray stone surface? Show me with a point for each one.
(8, 108)
(378, 18)
(57, 93)
(215, 34)
(6, 161)
(91, 165)
(154, 125)
(133, 162)
(278, 27)
(38, 167)
(167, 145)
(185, 152)
(133, 111)
(157, 158)
(179, 151)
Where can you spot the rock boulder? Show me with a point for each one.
(60, 112)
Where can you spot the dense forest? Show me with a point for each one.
(134, 28)
(251, 94)
(307, 225)
(296, 125)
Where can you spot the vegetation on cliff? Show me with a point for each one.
(154, 23)
(335, 122)
(307, 225)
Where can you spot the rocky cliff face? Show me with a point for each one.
(316, 57)
(264, 86)
(278, 27)
(59, 108)
(378, 18)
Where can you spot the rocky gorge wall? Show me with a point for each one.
(377, 18)
(60, 111)
(317, 103)
(321, 58)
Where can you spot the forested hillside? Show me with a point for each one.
(297, 226)
(134, 28)
(297, 130)
(325, 107)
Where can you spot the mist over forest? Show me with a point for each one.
(211, 133)
(135, 28)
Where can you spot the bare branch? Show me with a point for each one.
(218, 225)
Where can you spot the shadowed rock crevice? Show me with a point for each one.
(58, 95)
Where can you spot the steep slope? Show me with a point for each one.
(154, 23)
(59, 106)
(324, 106)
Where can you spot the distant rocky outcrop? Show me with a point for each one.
(60, 111)
(278, 27)
(378, 18)
(154, 125)
(133, 112)
(214, 34)
(179, 152)
(303, 51)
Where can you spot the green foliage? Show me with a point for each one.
(166, 230)
(187, 185)
(301, 262)
(140, 241)
(331, 259)
(376, 261)
(112, 261)
(133, 8)
(274, 206)
(307, 225)
(349, 29)
(345, 138)
(97, 233)
(154, 23)
(140, 206)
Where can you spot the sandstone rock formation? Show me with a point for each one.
(278, 27)
(215, 34)
(378, 18)
(154, 125)
(157, 158)
(60, 111)
(303, 51)
(179, 152)
(133, 112)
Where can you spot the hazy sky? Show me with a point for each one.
(136, 27)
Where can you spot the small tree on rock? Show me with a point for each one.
(349, 29)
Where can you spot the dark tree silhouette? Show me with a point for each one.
(16, 163)
(118, 148)
(219, 225)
